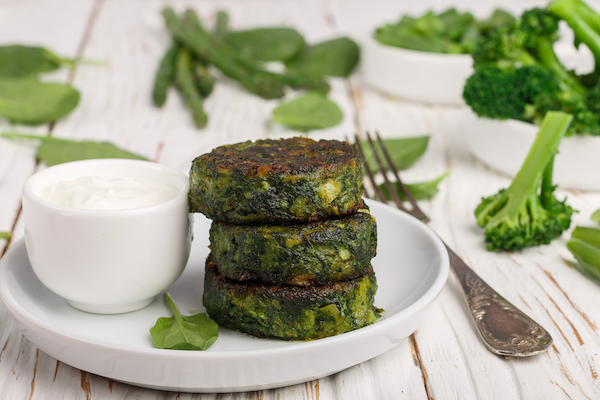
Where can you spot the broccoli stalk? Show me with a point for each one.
(584, 21)
(527, 213)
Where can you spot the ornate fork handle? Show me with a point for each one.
(502, 327)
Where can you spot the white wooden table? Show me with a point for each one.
(444, 359)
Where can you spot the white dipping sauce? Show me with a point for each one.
(97, 193)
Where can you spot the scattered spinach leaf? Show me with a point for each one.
(596, 216)
(420, 191)
(404, 152)
(312, 110)
(5, 235)
(194, 332)
(28, 101)
(17, 61)
(54, 151)
(266, 44)
(336, 57)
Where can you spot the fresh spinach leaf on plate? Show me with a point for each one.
(194, 332)
(52, 151)
(310, 111)
(28, 101)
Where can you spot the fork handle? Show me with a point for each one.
(502, 327)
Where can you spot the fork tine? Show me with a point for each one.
(378, 194)
(388, 184)
(415, 210)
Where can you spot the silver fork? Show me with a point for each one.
(503, 328)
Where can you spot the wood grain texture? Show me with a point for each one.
(444, 359)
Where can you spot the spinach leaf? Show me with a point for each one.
(404, 152)
(5, 235)
(336, 57)
(312, 110)
(195, 332)
(28, 101)
(18, 61)
(54, 151)
(420, 191)
(596, 216)
(266, 44)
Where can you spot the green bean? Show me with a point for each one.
(187, 87)
(202, 77)
(164, 75)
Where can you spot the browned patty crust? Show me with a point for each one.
(277, 181)
(290, 312)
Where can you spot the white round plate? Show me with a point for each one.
(415, 75)
(411, 267)
(503, 145)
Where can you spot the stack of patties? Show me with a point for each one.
(291, 240)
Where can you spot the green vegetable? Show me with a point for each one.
(446, 32)
(518, 75)
(54, 151)
(309, 111)
(5, 235)
(165, 75)
(584, 21)
(266, 44)
(527, 213)
(585, 247)
(404, 152)
(17, 61)
(420, 191)
(28, 101)
(221, 25)
(187, 87)
(194, 332)
(336, 57)
(203, 79)
(596, 216)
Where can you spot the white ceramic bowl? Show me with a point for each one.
(504, 144)
(415, 75)
(107, 261)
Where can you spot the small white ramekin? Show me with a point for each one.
(415, 75)
(107, 261)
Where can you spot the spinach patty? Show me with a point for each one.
(277, 181)
(289, 312)
(314, 253)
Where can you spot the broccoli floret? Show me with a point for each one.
(518, 76)
(527, 213)
(509, 92)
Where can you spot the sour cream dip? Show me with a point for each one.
(100, 193)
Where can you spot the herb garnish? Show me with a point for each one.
(194, 332)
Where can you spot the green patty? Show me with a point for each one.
(290, 312)
(277, 181)
(314, 253)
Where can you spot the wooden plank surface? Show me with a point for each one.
(444, 359)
